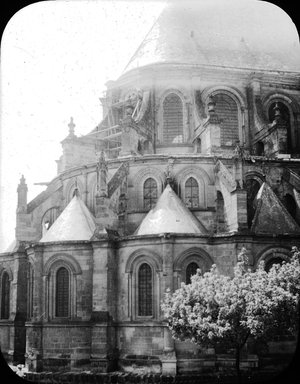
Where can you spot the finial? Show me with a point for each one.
(211, 104)
(22, 180)
(71, 126)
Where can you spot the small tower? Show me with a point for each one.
(22, 196)
(71, 126)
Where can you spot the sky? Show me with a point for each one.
(56, 57)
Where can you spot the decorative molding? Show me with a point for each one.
(139, 179)
(192, 254)
(62, 260)
(272, 252)
(144, 255)
(7, 270)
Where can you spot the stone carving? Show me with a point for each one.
(101, 170)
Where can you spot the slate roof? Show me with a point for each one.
(75, 223)
(240, 34)
(271, 216)
(170, 215)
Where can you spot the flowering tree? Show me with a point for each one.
(216, 309)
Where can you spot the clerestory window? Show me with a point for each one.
(191, 193)
(150, 193)
(172, 119)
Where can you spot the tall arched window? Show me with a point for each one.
(227, 110)
(150, 193)
(62, 293)
(191, 193)
(191, 270)
(5, 294)
(145, 292)
(172, 119)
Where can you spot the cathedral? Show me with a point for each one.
(197, 156)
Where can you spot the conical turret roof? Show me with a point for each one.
(75, 223)
(232, 33)
(271, 216)
(170, 215)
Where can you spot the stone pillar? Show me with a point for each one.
(34, 328)
(211, 131)
(103, 333)
(280, 133)
(169, 357)
(241, 201)
(130, 137)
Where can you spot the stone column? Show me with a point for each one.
(34, 329)
(211, 130)
(103, 349)
(129, 136)
(169, 357)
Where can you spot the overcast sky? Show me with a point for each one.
(56, 57)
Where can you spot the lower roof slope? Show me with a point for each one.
(75, 223)
(170, 215)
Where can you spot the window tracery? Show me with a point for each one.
(191, 193)
(172, 119)
(145, 291)
(62, 293)
(150, 193)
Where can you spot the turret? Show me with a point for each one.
(22, 196)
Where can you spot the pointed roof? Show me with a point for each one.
(271, 216)
(232, 33)
(170, 215)
(75, 223)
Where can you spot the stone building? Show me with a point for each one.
(197, 156)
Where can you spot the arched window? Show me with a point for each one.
(145, 305)
(271, 262)
(5, 293)
(172, 119)
(191, 270)
(150, 193)
(30, 280)
(220, 213)
(48, 219)
(62, 293)
(191, 193)
(227, 110)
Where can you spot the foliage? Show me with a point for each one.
(217, 309)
